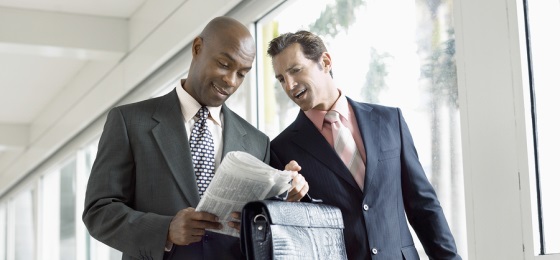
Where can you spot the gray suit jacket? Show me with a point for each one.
(395, 186)
(143, 175)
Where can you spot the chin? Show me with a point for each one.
(304, 107)
(218, 102)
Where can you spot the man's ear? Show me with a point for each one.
(197, 46)
(326, 62)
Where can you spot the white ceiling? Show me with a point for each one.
(30, 78)
(110, 8)
(63, 63)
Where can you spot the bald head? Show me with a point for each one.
(223, 28)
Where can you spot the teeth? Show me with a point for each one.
(300, 92)
(219, 89)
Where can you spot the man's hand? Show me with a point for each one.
(235, 224)
(300, 187)
(189, 226)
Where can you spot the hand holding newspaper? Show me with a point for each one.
(241, 178)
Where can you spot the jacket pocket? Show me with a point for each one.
(410, 253)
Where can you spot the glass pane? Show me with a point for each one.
(68, 211)
(91, 152)
(24, 213)
(59, 213)
(50, 215)
(3, 232)
(544, 18)
(240, 102)
(394, 53)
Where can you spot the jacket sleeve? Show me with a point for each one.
(421, 203)
(108, 212)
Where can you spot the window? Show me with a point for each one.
(543, 19)
(59, 213)
(3, 232)
(393, 53)
(241, 102)
(24, 228)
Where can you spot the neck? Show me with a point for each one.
(335, 95)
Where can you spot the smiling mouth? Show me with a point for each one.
(219, 90)
(299, 93)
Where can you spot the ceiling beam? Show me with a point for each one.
(55, 34)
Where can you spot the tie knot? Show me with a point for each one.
(332, 117)
(202, 113)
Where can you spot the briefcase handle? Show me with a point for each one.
(306, 198)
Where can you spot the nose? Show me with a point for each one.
(230, 79)
(290, 83)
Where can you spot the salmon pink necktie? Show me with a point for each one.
(346, 148)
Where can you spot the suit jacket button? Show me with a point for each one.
(366, 207)
(374, 251)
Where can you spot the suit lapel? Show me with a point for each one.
(171, 136)
(234, 134)
(307, 137)
(368, 123)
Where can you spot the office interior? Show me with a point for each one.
(475, 80)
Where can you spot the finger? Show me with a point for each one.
(298, 182)
(236, 215)
(197, 232)
(201, 220)
(292, 166)
(300, 187)
(196, 224)
(217, 226)
(297, 196)
(203, 216)
(235, 225)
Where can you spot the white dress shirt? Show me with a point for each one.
(189, 108)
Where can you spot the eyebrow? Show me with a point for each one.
(288, 69)
(229, 57)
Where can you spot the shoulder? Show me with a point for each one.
(139, 111)
(148, 104)
(291, 130)
(375, 109)
(231, 117)
(372, 107)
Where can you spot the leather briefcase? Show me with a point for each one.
(275, 229)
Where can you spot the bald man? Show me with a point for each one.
(142, 190)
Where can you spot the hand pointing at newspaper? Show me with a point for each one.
(300, 187)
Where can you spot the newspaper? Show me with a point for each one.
(241, 178)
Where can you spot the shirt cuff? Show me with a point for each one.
(168, 246)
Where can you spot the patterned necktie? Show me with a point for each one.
(202, 151)
(346, 148)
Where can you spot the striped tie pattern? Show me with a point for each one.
(346, 148)
(202, 151)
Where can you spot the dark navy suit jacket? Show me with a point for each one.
(395, 186)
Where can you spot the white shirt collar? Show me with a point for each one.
(189, 106)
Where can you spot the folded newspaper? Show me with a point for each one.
(241, 178)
